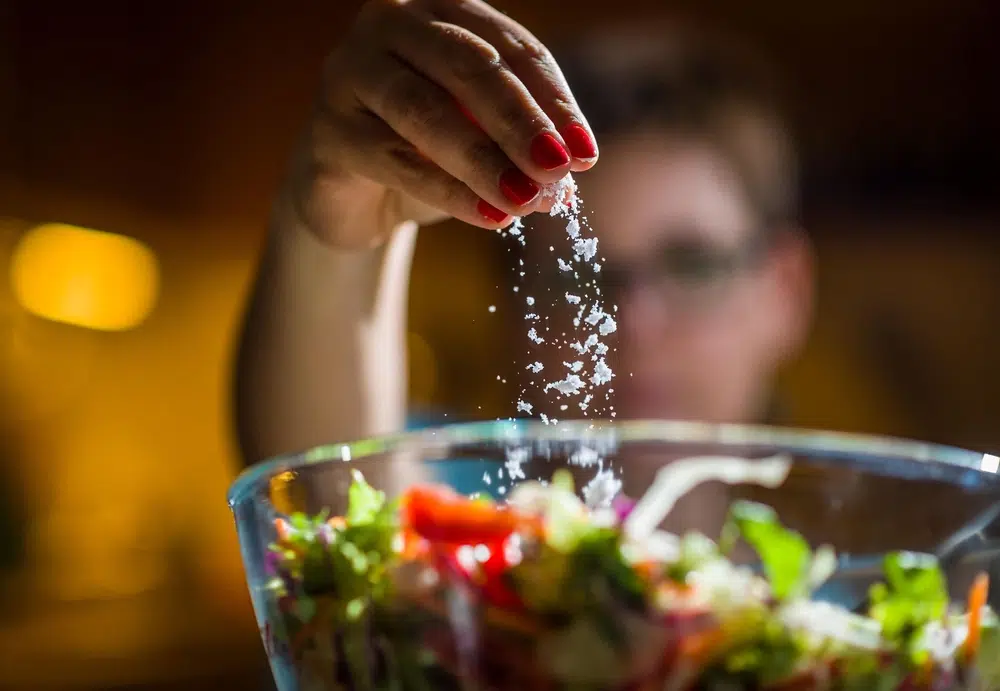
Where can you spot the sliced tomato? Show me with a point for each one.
(440, 514)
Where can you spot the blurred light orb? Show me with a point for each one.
(87, 278)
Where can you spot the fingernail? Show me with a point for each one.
(579, 141)
(518, 187)
(547, 152)
(490, 212)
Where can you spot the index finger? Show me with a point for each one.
(534, 65)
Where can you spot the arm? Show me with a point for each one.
(323, 355)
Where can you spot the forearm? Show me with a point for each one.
(323, 351)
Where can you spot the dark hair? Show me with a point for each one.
(692, 84)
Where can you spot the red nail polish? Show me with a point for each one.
(579, 141)
(490, 212)
(518, 187)
(547, 152)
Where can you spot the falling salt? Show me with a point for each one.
(535, 367)
(574, 366)
(533, 335)
(492, 308)
(584, 456)
(524, 407)
(602, 373)
(585, 248)
(604, 487)
(564, 265)
(608, 326)
(572, 299)
(529, 300)
(532, 316)
(596, 314)
(568, 386)
(515, 471)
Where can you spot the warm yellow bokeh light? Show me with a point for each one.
(84, 277)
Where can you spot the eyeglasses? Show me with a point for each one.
(690, 274)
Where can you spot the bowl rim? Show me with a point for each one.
(791, 439)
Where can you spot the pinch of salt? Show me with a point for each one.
(524, 406)
(533, 335)
(608, 326)
(564, 265)
(573, 228)
(535, 367)
(601, 349)
(574, 366)
(596, 313)
(572, 299)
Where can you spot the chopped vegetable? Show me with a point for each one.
(438, 591)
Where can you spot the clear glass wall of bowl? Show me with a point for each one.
(864, 496)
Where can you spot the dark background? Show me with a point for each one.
(169, 123)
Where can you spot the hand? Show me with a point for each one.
(430, 109)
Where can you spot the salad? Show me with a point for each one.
(437, 591)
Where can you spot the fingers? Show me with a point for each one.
(424, 114)
(533, 66)
(370, 147)
(471, 70)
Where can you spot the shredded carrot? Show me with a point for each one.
(977, 601)
(700, 646)
(281, 528)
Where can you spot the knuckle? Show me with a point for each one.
(454, 194)
(482, 156)
(408, 96)
(531, 49)
(409, 166)
(472, 59)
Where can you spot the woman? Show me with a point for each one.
(438, 108)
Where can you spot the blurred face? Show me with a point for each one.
(706, 308)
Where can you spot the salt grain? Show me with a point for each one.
(572, 299)
(535, 367)
(492, 308)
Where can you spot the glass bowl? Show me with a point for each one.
(549, 595)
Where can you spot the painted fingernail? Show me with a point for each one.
(579, 141)
(518, 187)
(490, 212)
(547, 152)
